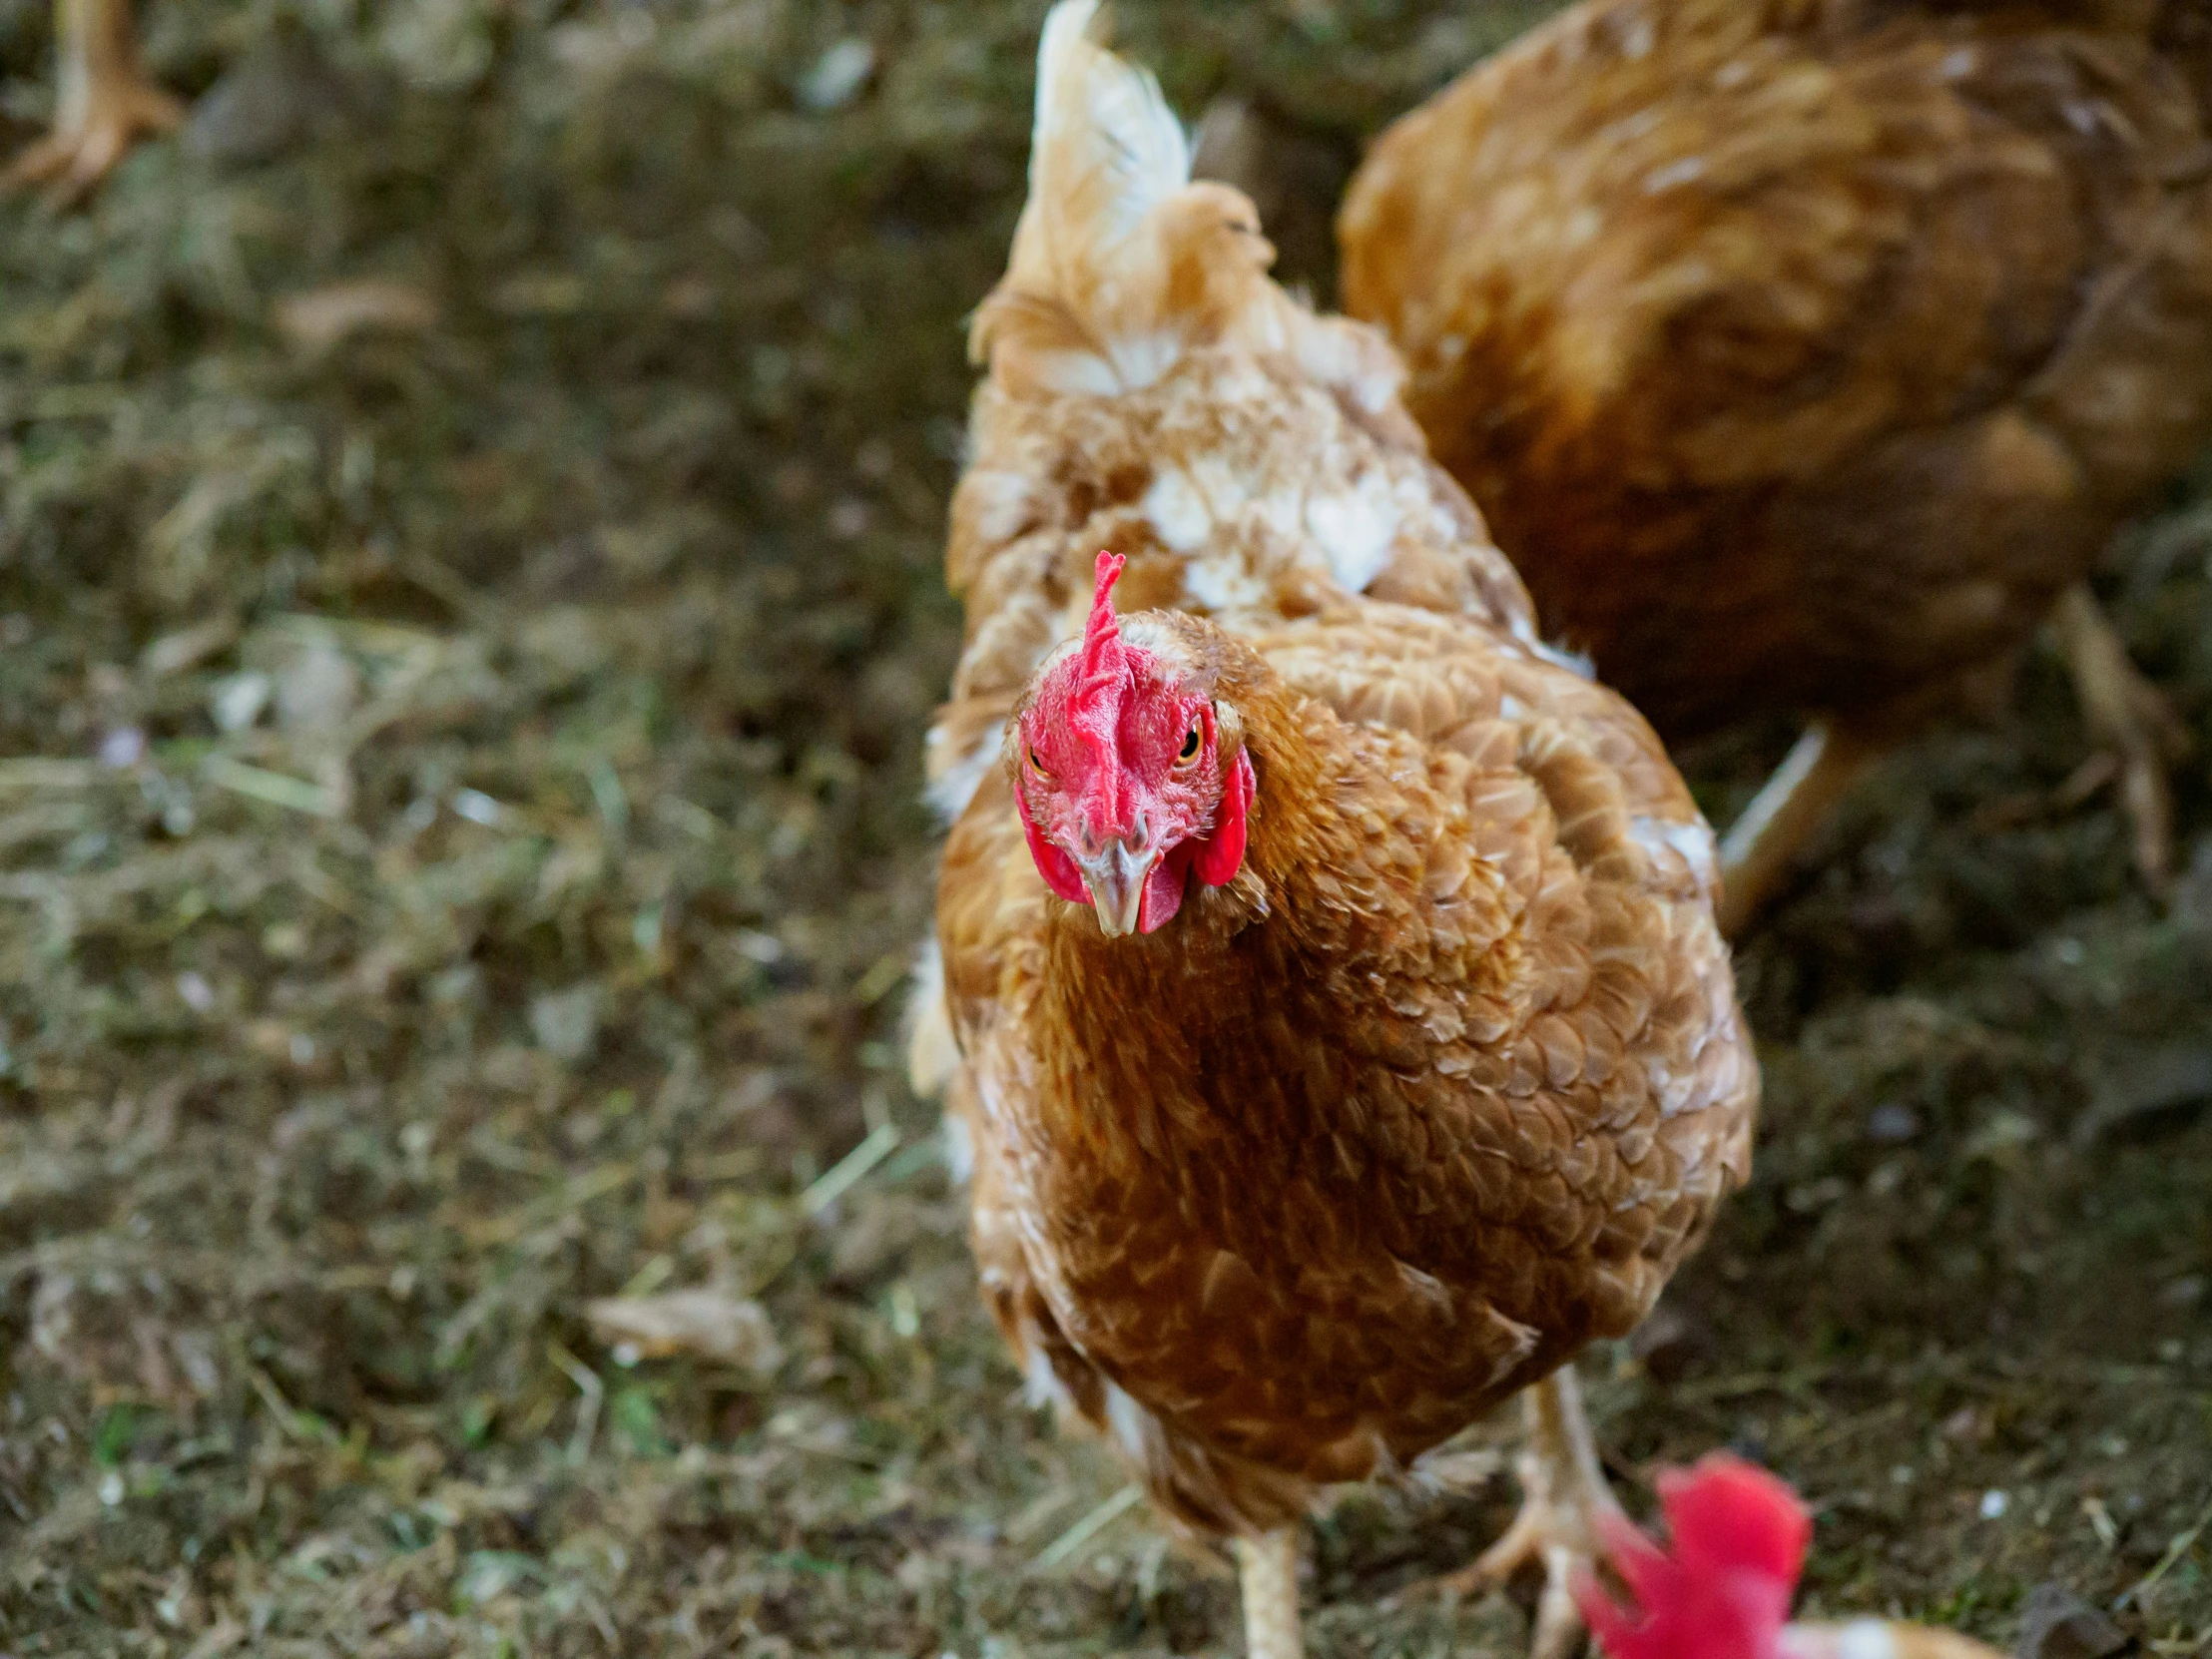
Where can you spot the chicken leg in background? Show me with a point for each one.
(1722, 1587)
(1329, 1006)
(1802, 356)
(104, 99)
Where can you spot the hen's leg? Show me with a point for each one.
(105, 100)
(1786, 812)
(1267, 1572)
(1563, 1492)
(2130, 721)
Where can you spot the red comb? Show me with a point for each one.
(1723, 1589)
(1101, 681)
(1104, 660)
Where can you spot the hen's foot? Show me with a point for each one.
(1564, 1497)
(1762, 845)
(107, 102)
(76, 157)
(2130, 722)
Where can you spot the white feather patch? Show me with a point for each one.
(1134, 1429)
(1223, 585)
(1692, 843)
(1866, 1639)
(951, 791)
(1040, 1384)
(1559, 656)
(959, 1150)
(1355, 530)
(1176, 511)
(1003, 502)
(933, 1054)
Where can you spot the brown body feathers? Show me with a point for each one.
(1800, 351)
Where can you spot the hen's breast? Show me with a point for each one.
(1455, 1104)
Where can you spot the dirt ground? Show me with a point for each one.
(469, 602)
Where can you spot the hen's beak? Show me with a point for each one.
(1116, 878)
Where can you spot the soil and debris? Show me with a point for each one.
(469, 603)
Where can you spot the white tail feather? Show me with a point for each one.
(1105, 151)
(1091, 301)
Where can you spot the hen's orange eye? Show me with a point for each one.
(1189, 746)
(1036, 760)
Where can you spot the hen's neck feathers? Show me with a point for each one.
(1142, 1029)
(1149, 1032)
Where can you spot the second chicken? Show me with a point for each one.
(1802, 355)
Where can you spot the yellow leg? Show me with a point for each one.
(1788, 812)
(104, 101)
(2130, 721)
(1267, 1572)
(1563, 1493)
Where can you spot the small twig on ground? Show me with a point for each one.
(1063, 1549)
(587, 1411)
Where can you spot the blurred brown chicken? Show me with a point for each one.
(1803, 354)
(104, 99)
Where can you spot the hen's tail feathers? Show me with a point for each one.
(1105, 151)
(1091, 300)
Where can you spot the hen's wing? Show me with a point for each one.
(1598, 1101)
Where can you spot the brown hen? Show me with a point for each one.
(1330, 1008)
(1802, 353)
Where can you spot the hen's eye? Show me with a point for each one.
(1189, 746)
(1036, 760)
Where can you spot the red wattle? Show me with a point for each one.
(1163, 890)
(1214, 860)
(1057, 868)
(1221, 856)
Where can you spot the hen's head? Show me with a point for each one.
(1130, 777)
(1723, 1590)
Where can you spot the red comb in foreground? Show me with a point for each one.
(1105, 661)
(1722, 1590)
(1102, 681)
(1102, 634)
